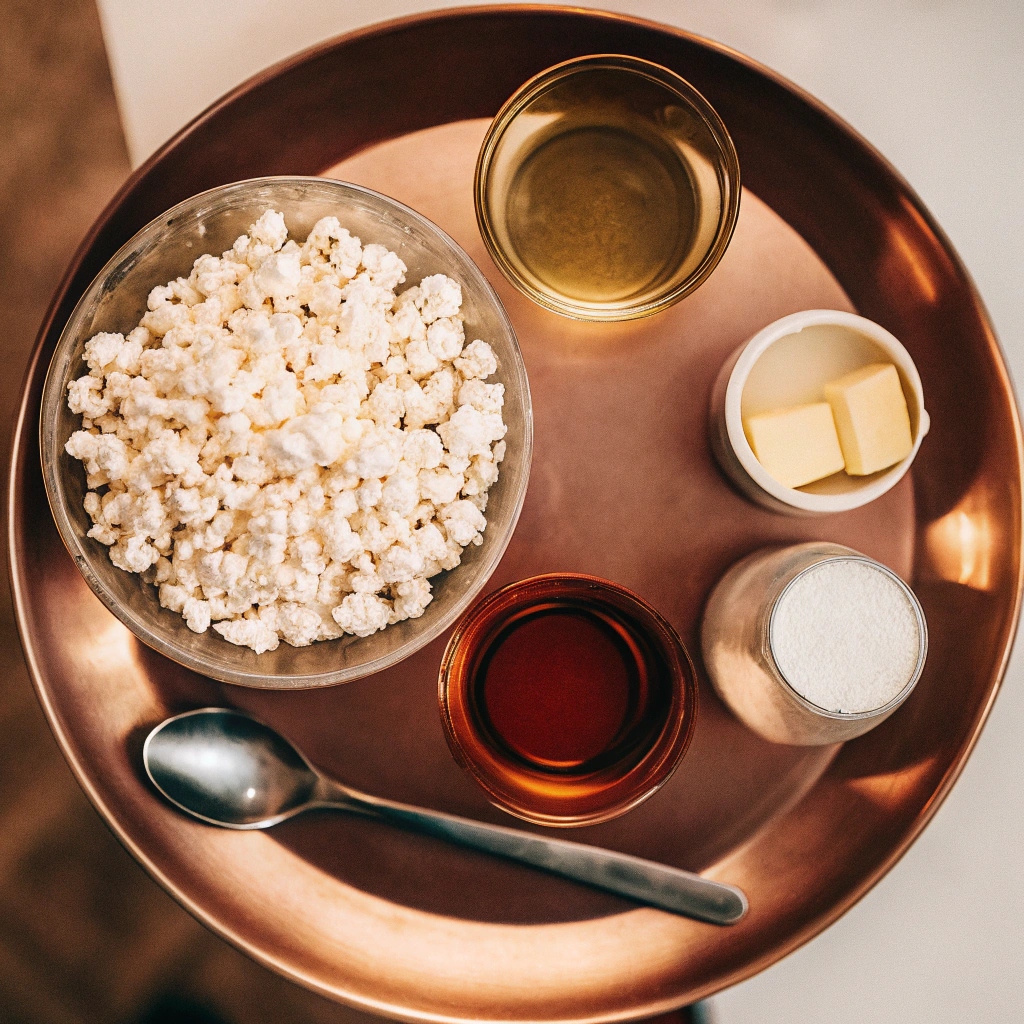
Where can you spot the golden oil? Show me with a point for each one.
(601, 214)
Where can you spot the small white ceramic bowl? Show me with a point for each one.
(788, 363)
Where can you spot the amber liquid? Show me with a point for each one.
(567, 698)
(601, 214)
(570, 688)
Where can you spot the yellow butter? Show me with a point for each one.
(798, 445)
(870, 412)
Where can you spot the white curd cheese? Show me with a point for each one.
(286, 447)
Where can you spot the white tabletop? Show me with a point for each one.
(938, 87)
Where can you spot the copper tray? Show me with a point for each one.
(624, 487)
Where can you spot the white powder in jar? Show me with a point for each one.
(846, 635)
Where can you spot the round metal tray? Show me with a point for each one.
(623, 487)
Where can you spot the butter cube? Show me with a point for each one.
(871, 416)
(796, 446)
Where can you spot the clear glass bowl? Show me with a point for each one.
(607, 188)
(116, 300)
(651, 738)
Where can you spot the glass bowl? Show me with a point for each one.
(590, 718)
(116, 300)
(607, 188)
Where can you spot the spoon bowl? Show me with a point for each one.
(228, 769)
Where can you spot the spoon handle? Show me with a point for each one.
(656, 885)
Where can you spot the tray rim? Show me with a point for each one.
(24, 424)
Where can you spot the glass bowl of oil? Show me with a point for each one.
(607, 188)
(568, 698)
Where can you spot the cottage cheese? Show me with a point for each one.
(285, 446)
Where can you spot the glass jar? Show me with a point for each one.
(740, 639)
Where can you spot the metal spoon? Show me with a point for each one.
(228, 769)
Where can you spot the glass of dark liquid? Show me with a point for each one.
(568, 699)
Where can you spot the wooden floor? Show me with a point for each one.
(85, 936)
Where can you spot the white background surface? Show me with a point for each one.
(938, 87)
